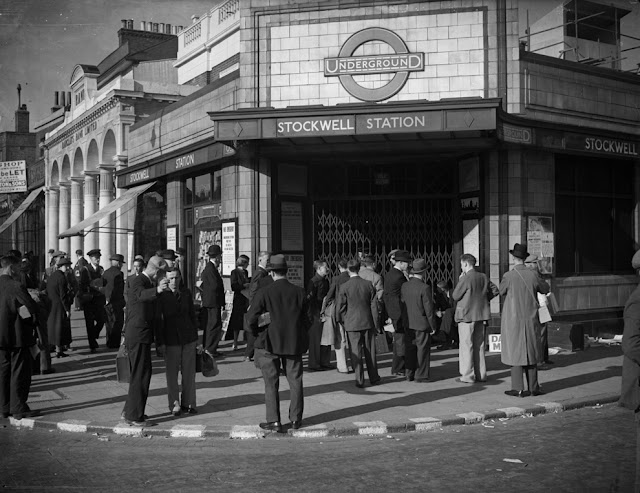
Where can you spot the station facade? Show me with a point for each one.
(328, 129)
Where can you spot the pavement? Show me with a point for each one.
(83, 395)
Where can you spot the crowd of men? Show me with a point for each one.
(355, 315)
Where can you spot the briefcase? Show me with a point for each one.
(382, 346)
(123, 370)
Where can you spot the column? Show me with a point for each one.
(90, 207)
(64, 215)
(106, 233)
(122, 218)
(77, 212)
(53, 195)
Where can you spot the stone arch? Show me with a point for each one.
(65, 171)
(109, 148)
(93, 156)
(78, 163)
(55, 174)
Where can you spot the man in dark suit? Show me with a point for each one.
(260, 274)
(472, 294)
(139, 335)
(357, 310)
(15, 341)
(91, 283)
(418, 299)
(213, 300)
(630, 390)
(114, 300)
(80, 264)
(395, 309)
(286, 338)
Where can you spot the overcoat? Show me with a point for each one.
(630, 391)
(141, 314)
(12, 295)
(239, 278)
(418, 298)
(212, 287)
(520, 327)
(58, 324)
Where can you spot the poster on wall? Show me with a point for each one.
(295, 274)
(208, 232)
(540, 241)
(172, 237)
(229, 254)
(471, 238)
(291, 226)
(13, 176)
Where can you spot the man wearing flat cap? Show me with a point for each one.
(520, 325)
(213, 300)
(284, 338)
(114, 300)
(396, 310)
(91, 289)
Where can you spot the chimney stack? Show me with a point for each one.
(167, 28)
(194, 19)
(129, 23)
(69, 98)
(56, 98)
(22, 119)
(63, 98)
(124, 23)
(143, 26)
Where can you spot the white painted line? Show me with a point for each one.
(22, 423)
(371, 427)
(124, 429)
(512, 411)
(188, 431)
(316, 431)
(427, 424)
(472, 417)
(74, 425)
(251, 431)
(551, 407)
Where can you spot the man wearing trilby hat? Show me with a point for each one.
(520, 326)
(213, 300)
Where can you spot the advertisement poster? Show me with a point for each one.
(229, 254)
(295, 274)
(471, 238)
(291, 221)
(540, 241)
(172, 237)
(13, 176)
(208, 232)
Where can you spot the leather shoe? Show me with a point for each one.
(189, 410)
(400, 373)
(29, 414)
(517, 393)
(360, 385)
(376, 382)
(296, 424)
(459, 380)
(537, 392)
(272, 426)
(47, 372)
(422, 380)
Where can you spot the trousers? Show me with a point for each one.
(472, 364)
(360, 343)
(213, 331)
(270, 367)
(418, 353)
(517, 382)
(114, 323)
(181, 359)
(140, 364)
(15, 379)
(319, 355)
(94, 320)
(341, 347)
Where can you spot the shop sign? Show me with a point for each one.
(295, 269)
(345, 65)
(602, 145)
(201, 212)
(519, 135)
(399, 122)
(495, 343)
(303, 127)
(141, 175)
(82, 132)
(13, 176)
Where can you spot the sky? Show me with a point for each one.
(41, 41)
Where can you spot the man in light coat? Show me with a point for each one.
(473, 293)
(520, 325)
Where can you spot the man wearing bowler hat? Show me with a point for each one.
(91, 284)
(284, 338)
(114, 300)
(396, 310)
(418, 298)
(519, 325)
(213, 300)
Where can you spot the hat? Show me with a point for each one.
(392, 253)
(519, 251)
(214, 250)
(63, 261)
(531, 259)
(419, 265)
(94, 253)
(157, 262)
(180, 251)
(168, 254)
(368, 258)
(51, 250)
(402, 256)
(635, 261)
(118, 257)
(58, 253)
(138, 257)
(277, 262)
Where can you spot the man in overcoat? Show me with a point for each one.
(213, 300)
(630, 390)
(286, 339)
(15, 341)
(329, 310)
(422, 323)
(520, 325)
(357, 310)
(472, 293)
(114, 300)
(91, 282)
(259, 274)
(139, 335)
(58, 322)
(396, 311)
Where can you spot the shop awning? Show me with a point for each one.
(21, 208)
(89, 224)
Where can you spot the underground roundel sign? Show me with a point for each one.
(400, 63)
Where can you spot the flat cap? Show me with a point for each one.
(63, 261)
(118, 257)
(58, 253)
(94, 253)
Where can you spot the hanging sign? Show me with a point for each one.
(229, 254)
(13, 176)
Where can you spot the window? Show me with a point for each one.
(594, 215)
(151, 221)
